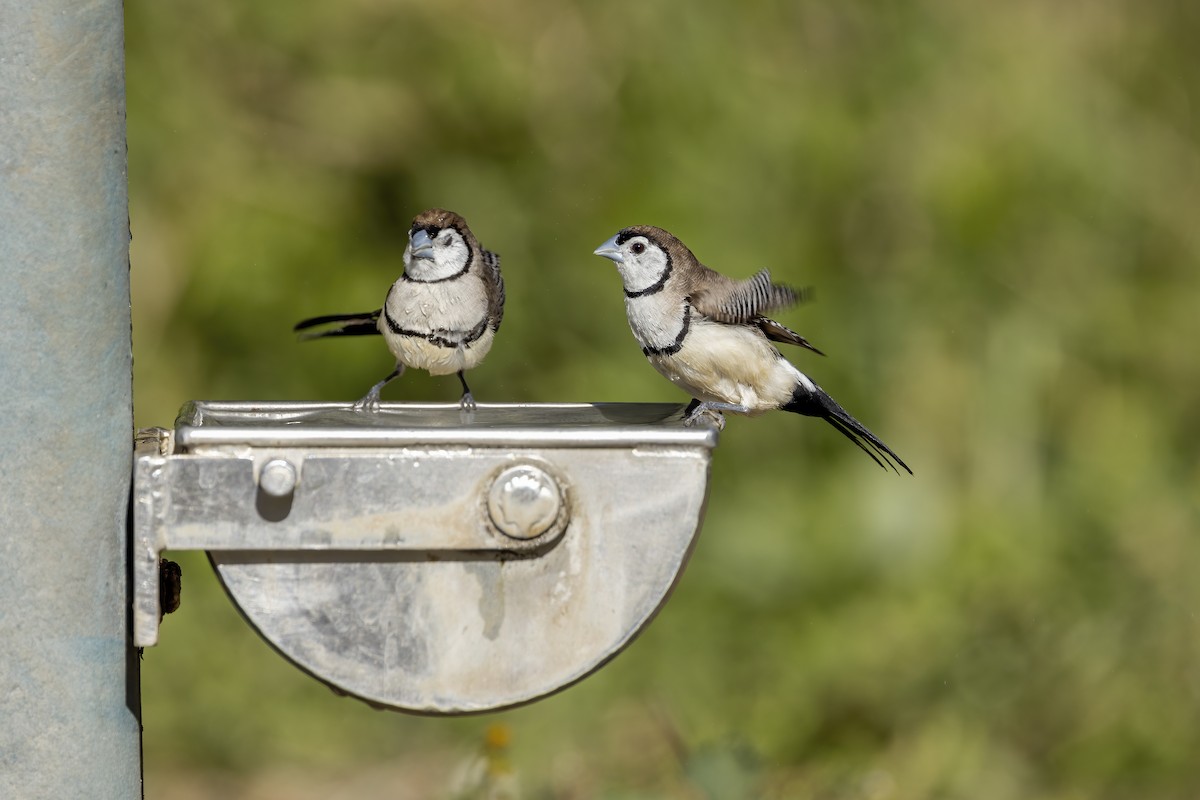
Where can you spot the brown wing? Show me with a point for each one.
(781, 333)
(491, 271)
(739, 302)
(745, 302)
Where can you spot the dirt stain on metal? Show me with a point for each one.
(491, 595)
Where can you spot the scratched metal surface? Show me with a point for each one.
(387, 573)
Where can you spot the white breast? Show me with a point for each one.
(454, 305)
(656, 320)
(450, 310)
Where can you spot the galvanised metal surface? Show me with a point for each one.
(69, 702)
(425, 558)
(202, 425)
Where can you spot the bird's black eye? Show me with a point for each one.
(638, 248)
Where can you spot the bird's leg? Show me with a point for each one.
(370, 402)
(713, 411)
(467, 401)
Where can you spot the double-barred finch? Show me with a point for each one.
(441, 314)
(708, 334)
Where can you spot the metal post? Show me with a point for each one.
(69, 690)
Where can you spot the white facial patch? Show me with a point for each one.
(644, 264)
(449, 256)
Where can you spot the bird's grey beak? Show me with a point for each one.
(610, 251)
(422, 245)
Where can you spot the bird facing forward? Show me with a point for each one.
(442, 313)
(708, 334)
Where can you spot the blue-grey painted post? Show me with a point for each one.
(69, 691)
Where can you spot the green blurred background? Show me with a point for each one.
(998, 206)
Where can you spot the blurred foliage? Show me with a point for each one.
(998, 207)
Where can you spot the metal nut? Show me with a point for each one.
(277, 478)
(524, 502)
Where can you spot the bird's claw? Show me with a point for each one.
(704, 415)
(368, 404)
(466, 402)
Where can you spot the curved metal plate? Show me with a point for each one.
(459, 631)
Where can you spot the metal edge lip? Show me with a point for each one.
(481, 437)
(191, 432)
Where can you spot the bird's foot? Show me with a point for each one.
(369, 403)
(466, 402)
(704, 414)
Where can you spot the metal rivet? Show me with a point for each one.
(524, 502)
(277, 478)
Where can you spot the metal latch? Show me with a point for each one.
(425, 558)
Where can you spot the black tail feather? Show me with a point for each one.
(841, 428)
(364, 324)
(819, 404)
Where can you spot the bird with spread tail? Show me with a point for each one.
(710, 336)
(442, 313)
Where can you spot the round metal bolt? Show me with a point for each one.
(524, 502)
(277, 478)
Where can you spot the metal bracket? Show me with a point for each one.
(423, 557)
